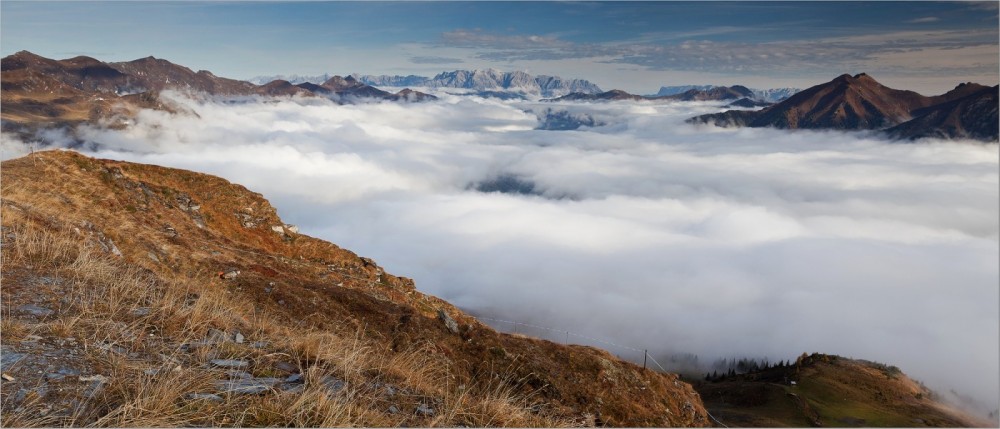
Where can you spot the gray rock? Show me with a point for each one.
(35, 310)
(142, 311)
(250, 386)
(294, 378)
(424, 410)
(292, 387)
(9, 358)
(393, 409)
(216, 336)
(238, 338)
(449, 323)
(286, 366)
(229, 363)
(203, 397)
(333, 384)
(234, 374)
(259, 344)
(96, 384)
(54, 376)
(229, 274)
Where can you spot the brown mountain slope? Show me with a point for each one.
(136, 295)
(156, 74)
(38, 92)
(827, 390)
(714, 93)
(973, 116)
(847, 102)
(861, 103)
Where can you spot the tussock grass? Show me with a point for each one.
(131, 319)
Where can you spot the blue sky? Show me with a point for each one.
(924, 46)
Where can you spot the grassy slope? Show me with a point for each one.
(315, 306)
(829, 391)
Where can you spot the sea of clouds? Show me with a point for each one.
(646, 232)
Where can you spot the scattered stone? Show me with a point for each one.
(393, 409)
(449, 323)
(229, 274)
(389, 390)
(292, 229)
(216, 336)
(203, 397)
(333, 384)
(278, 229)
(267, 290)
(294, 378)
(142, 311)
(259, 344)
(96, 377)
(35, 310)
(113, 348)
(229, 363)
(96, 384)
(287, 367)
(238, 338)
(8, 359)
(153, 257)
(113, 249)
(238, 374)
(7, 377)
(248, 386)
(424, 410)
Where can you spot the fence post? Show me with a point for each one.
(567, 337)
(644, 353)
(515, 327)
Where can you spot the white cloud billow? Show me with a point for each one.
(647, 232)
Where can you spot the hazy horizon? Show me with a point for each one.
(928, 47)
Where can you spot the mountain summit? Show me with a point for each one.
(860, 102)
(38, 91)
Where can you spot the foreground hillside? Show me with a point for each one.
(136, 295)
(827, 390)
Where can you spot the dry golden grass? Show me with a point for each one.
(103, 296)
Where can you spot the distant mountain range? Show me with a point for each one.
(712, 93)
(772, 95)
(859, 102)
(488, 80)
(38, 90)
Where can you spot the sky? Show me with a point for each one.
(645, 232)
(927, 47)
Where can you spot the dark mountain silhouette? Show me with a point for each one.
(613, 95)
(711, 94)
(716, 93)
(973, 116)
(859, 102)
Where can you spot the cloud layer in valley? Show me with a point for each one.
(646, 231)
